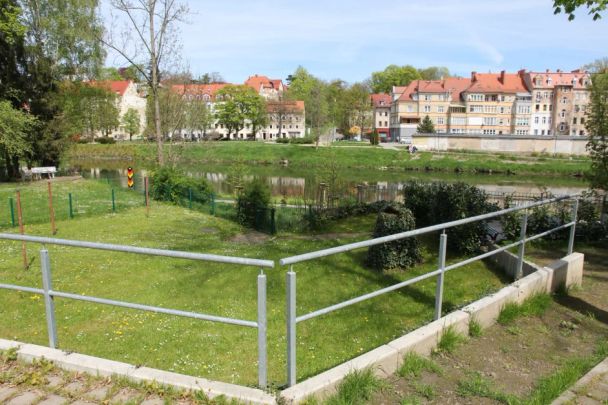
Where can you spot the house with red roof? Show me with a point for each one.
(522, 103)
(559, 102)
(128, 96)
(286, 119)
(381, 109)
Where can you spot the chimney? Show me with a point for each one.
(502, 76)
(548, 70)
(559, 70)
(473, 76)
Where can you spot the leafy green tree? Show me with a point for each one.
(594, 7)
(359, 107)
(393, 75)
(426, 126)
(313, 91)
(240, 105)
(149, 42)
(597, 126)
(12, 53)
(130, 121)
(597, 66)
(15, 126)
(434, 73)
(199, 116)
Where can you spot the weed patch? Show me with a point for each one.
(414, 364)
(450, 339)
(478, 386)
(356, 388)
(533, 306)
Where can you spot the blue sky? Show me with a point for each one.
(349, 39)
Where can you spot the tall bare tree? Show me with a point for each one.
(149, 39)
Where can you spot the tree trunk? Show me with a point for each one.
(154, 88)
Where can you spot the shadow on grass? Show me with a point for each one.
(582, 306)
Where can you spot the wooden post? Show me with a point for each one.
(146, 186)
(51, 210)
(21, 229)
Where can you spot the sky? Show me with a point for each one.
(350, 39)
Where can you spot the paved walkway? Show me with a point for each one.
(44, 384)
(592, 389)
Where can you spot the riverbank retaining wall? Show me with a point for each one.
(567, 145)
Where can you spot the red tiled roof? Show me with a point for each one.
(497, 83)
(115, 86)
(288, 106)
(257, 82)
(198, 89)
(576, 78)
(453, 85)
(381, 100)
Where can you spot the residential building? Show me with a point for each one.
(381, 104)
(128, 95)
(286, 119)
(522, 103)
(559, 102)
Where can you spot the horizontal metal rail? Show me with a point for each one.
(148, 308)
(367, 296)
(422, 277)
(140, 250)
(415, 232)
(21, 288)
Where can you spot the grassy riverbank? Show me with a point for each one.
(303, 156)
(216, 351)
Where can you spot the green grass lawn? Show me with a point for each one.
(303, 156)
(223, 352)
(89, 198)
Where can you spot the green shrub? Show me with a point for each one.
(374, 138)
(438, 202)
(401, 253)
(281, 140)
(307, 140)
(173, 185)
(253, 202)
(105, 140)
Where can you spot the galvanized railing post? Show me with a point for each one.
(47, 285)
(573, 227)
(519, 271)
(443, 239)
(291, 327)
(262, 326)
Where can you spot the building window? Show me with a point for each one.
(489, 121)
(581, 132)
(563, 114)
(427, 97)
(440, 121)
(544, 120)
(582, 120)
(536, 120)
(440, 109)
(574, 121)
(427, 108)
(410, 108)
(562, 127)
(564, 100)
(476, 108)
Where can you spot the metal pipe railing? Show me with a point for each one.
(293, 319)
(49, 294)
(408, 234)
(140, 250)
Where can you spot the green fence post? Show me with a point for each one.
(190, 198)
(212, 204)
(71, 212)
(113, 202)
(10, 202)
(273, 224)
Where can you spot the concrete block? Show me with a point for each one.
(384, 360)
(486, 310)
(210, 388)
(95, 365)
(423, 340)
(534, 283)
(567, 271)
(29, 353)
(9, 344)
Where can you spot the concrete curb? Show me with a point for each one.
(105, 368)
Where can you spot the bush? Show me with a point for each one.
(173, 185)
(400, 254)
(252, 202)
(374, 138)
(435, 203)
(282, 140)
(307, 140)
(105, 140)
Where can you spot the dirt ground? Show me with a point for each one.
(514, 357)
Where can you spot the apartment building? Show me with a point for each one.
(559, 102)
(522, 103)
(286, 119)
(128, 95)
(381, 104)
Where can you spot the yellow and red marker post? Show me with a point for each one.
(130, 174)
